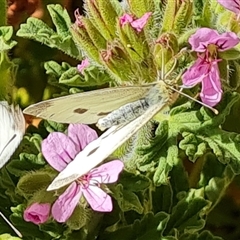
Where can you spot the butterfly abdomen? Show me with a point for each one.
(124, 114)
(131, 111)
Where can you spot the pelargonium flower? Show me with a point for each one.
(231, 5)
(37, 213)
(137, 24)
(208, 43)
(84, 64)
(59, 149)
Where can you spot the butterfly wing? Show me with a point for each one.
(12, 128)
(99, 149)
(86, 107)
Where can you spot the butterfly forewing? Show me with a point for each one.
(86, 107)
(95, 152)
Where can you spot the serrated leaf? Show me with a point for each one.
(6, 42)
(37, 30)
(127, 200)
(60, 19)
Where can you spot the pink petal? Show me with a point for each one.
(97, 199)
(126, 18)
(211, 93)
(226, 41)
(202, 38)
(196, 73)
(84, 64)
(205, 36)
(107, 172)
(58, 150)
(37, 213)
(78, 18)
(232, 5)
(141, 22)
(64, 206)
(81, 135)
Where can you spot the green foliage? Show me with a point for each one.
(156, 196)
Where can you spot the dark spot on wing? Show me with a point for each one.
(93, 151)
(103, 113)
(80, 110)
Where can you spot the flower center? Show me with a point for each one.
(87, 180)
(211, 52)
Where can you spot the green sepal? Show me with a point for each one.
(33, 182)
(95, 16)
(140, 7)
(166, 46)
(109, 15)
(79, 218)
(182, 17)
(97, 39)
(169, 16)
(134, 43)
(82, 39)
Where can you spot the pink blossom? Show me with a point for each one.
(137, 24)
(207, 43)
(84, 64)
(59, 150)
(37, 213)
(78, 18)
(231, 5)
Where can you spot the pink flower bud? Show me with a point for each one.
(37, 213)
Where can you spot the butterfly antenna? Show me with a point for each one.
(10, 224)
(195, 100)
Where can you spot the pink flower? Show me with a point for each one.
(231, 5)
(78, 18)
(59, 150)
(37, 213)
(205, 70)
(84, 64)
(137, 24)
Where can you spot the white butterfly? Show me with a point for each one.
(12, 129)
(89, 107)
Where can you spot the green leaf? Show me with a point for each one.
(7, 236)
(37, 30)
(146, 228)
(127, 200)
(188, 214)
(6, 42)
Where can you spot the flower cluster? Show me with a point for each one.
(59, 150)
